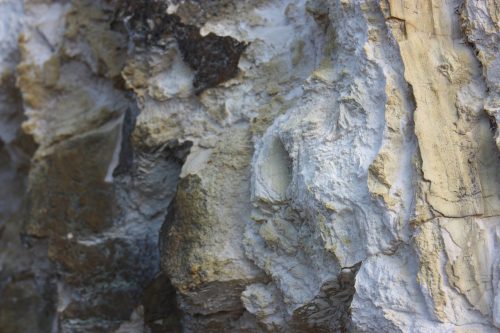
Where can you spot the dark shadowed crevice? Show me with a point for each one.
(330, 310)
(126, 150)
(161, 314)
(146, 182)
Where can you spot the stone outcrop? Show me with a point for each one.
(249, 166)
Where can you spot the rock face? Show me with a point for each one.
(249, 166)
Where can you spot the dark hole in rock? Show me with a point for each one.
(493, 123)
(160, 306)
(213, 58)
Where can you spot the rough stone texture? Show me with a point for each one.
(249, 166)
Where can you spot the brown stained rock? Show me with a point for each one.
(26, 287)
(198, 241)
(88, 23)
(24, 298)
(213, 58)
(67, 189)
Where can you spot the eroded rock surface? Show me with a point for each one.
(249, 166)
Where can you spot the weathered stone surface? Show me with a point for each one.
(27, 285)
(480, 22)
(249, 166)
(450, 123)
(213, 270)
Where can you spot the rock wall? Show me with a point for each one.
(249, 166)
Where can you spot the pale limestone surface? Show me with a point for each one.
(345, 179)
